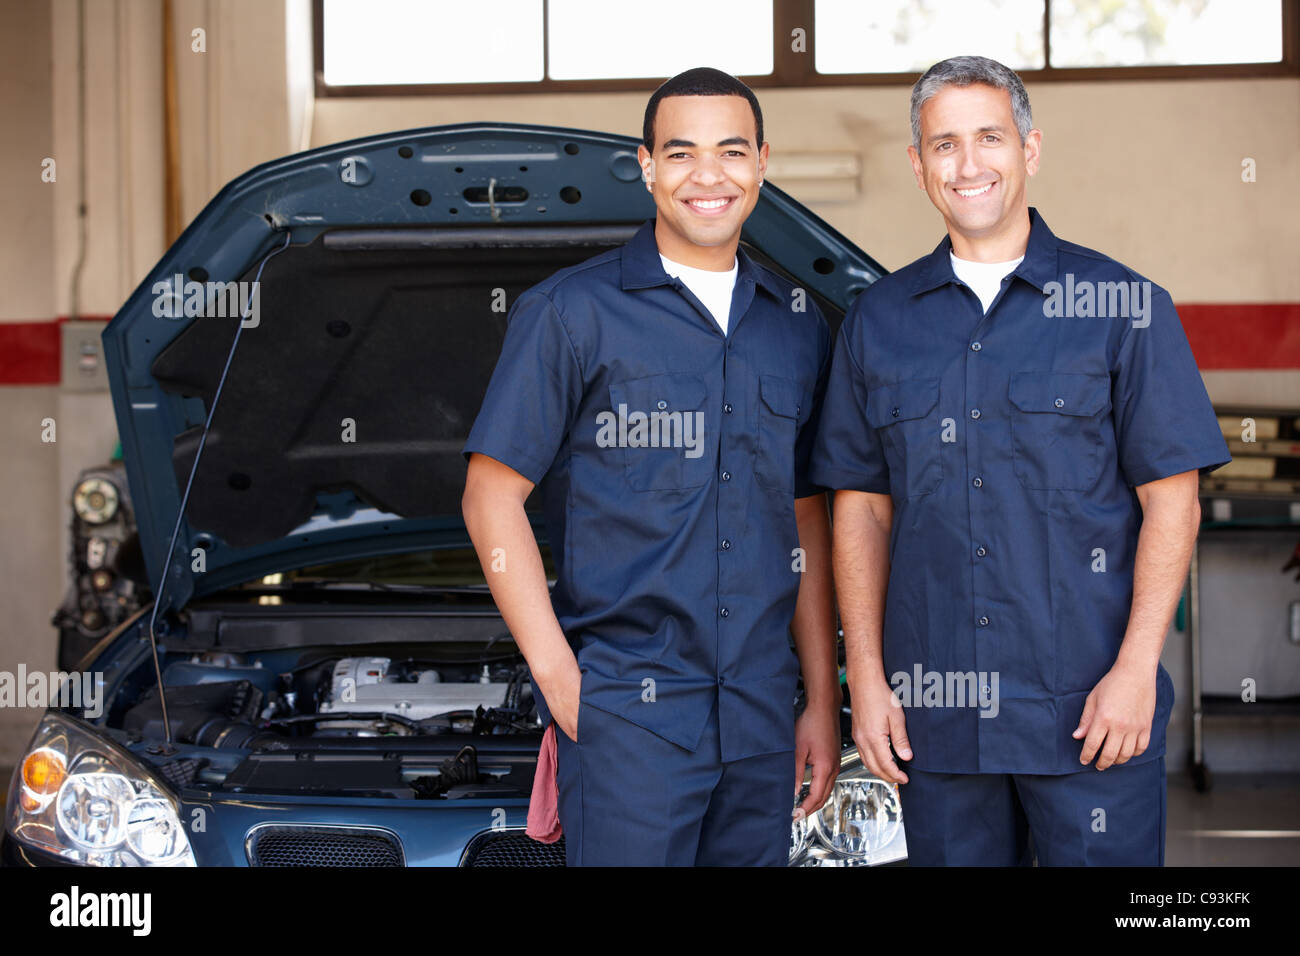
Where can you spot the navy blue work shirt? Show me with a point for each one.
(1010, 443)
(669, 458)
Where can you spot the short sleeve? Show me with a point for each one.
(804, 486)
(1164, 422)
(534, 394)
(847, 454)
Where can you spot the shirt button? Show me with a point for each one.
(975, 346)
(726, 476)
(726, 544)
(661, 404)
(1059, 403)
(727, 408)
(984, 622)
(895, 411)
(980, 551)
(722, 682)
(974, 413)
(724, 612)
(978, 483)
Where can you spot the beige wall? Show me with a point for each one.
(233, 113)
(27, 115)
(30, 579)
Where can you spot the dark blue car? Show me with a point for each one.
(322, 677)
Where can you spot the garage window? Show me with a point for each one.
(670, 36)
(906, 36)
(397, 47)
(1093, 33)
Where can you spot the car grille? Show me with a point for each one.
(323, 846)
(512, 848)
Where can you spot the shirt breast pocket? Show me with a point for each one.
(904, 415)
(779, 409)
(658, 422)
(1056, 423)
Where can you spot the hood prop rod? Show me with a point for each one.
(167, 747)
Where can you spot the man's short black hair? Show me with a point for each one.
(701, 81)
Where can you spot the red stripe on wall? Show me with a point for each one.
(1223, 335)
(29, 351)
(1227, 335)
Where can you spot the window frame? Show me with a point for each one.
(793, 70)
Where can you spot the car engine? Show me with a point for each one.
(220, 699)
(369, 684)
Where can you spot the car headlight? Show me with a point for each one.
(861, 823)
(95, 500)
(84, 799)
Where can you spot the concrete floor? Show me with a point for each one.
(1244, 820)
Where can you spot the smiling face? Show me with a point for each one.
(704, 174)
(973, 167)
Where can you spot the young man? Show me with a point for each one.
(1015, 425)
(666, 393)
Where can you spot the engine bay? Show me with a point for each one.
(406, 722)
(222, 699)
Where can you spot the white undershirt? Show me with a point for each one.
(984, 277)
(711, 288)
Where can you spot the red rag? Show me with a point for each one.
(544, 804)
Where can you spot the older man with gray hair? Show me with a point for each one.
(1015, 449)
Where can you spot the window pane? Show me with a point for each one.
(1165, 32)
(414, 41)
(595, 39)
(909, 36)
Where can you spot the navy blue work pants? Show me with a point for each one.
(630, 798)
(1113, 817)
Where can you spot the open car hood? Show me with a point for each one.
(369, 346)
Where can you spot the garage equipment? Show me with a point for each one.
(1257, 491)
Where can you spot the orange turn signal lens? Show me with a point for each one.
(44, 771)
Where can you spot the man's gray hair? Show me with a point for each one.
(967, 71)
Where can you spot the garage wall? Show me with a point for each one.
(29, 568)
(235, 110)
(1148, 172)
(27, 107)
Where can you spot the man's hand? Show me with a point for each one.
(878, 721)
(1119, 711)
(562, 695)
(817, 745)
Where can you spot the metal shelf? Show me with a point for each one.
(1223, 511)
